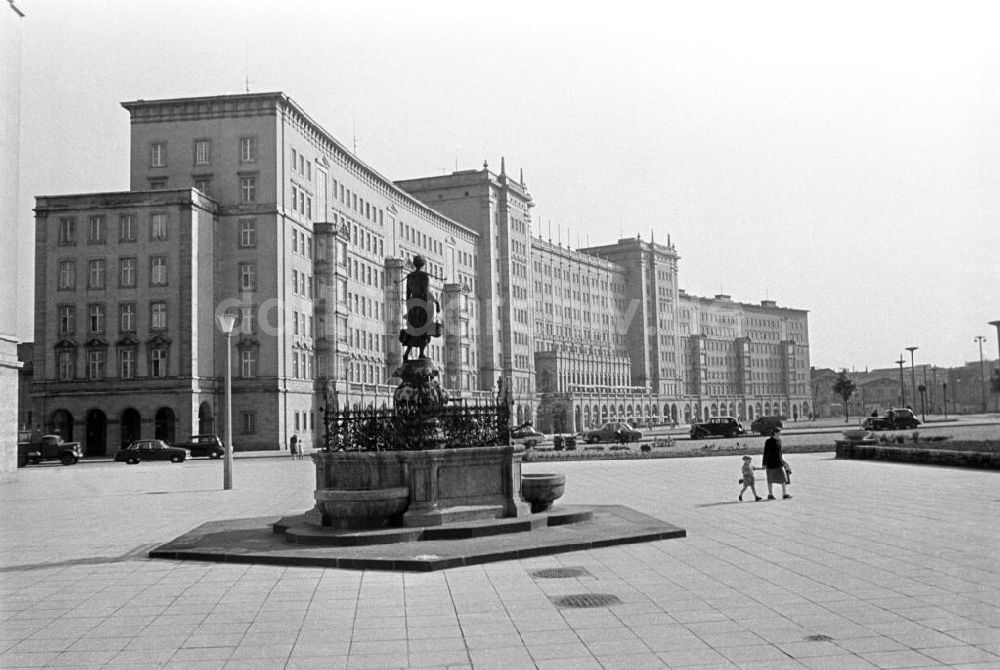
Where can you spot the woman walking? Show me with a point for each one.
(774, 465)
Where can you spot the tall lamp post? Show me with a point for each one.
(226, 322)
(934, 370)
(913, 373)
(944, 397)
(982, 371)
(902, 385)
(997, 324)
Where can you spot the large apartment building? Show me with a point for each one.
(244, 203)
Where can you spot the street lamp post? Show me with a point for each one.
(982, 371)
(226, 322)
(944, 398)
(913, 374)
(934, 370)
(902, 385)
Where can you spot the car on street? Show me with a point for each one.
(765, 425)
(615, 431)
(894, 419)
(717, 426)
(151, 450)
(527, 435)
(48, 448)
(204, 446)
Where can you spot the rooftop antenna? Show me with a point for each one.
(550, 231)
(354, 138)
(246, 69)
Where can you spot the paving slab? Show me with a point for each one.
(895, 565)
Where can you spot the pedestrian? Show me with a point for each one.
(774, 465)
(747, 480)
(293, 446)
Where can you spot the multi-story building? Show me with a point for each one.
(244, 203)
(11, 18)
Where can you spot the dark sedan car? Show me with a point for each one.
(151, 450)
(202, 446)
(616, 431)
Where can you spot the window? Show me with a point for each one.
(248, 233)
(95, 364)
(248, 149)
(67, 231)
(203, 184)
(158, 316)
(126, 274)
(295, 159)
(248, 423)
(248, 189)
(295, 323)
(158, 154)
(96, 230)
(96, 274)
(158, 226)
(158, 270)
(126, 228)
(246, 324)
(248, 280)
(158, 362)
(295, 281)
(126, 317)
(67, 275)
(202, 152)
(126, 363)
(295, 242)
(248, 363)
(95, 318)
(295, 360)
(67, 365)
(67, 320)
(157, 184)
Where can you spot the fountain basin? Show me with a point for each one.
(541, 490)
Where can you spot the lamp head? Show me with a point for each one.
(226, 322)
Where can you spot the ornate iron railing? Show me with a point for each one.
(452, 426)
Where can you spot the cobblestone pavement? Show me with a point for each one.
(869, 565)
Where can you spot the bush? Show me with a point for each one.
(645, 447)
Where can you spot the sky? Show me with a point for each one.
(842, 158)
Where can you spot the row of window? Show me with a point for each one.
(97, 363)
(97, 271)
(202, 152)
(98, 233)
(97, 317)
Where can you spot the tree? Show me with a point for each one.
(844, 386)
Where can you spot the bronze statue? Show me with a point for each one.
(420, 324)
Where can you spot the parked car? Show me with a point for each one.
(717, 426)
(616, 431)
(151, 450)
(527, 435)
(894, 419)
(48, 448)
(202, 446)
(765, 425)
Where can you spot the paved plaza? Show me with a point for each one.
(870, 565)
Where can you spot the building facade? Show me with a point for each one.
(11, 18)
(246, 204)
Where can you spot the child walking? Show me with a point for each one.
(747, 480)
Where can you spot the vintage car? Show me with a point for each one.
(202, 446)
(894, 419)
(151, 450)
(616, 431)
(48, 448)
(717, 426)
